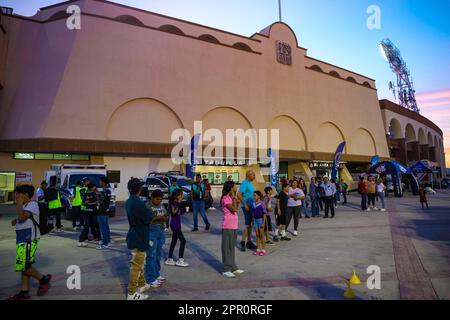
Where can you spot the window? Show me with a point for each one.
(156, 183)
(43, 156)
(23, 156)
(81, 157)
(113, 176)
(50, 156)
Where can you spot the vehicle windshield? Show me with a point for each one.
(95, 178)
(183, 182)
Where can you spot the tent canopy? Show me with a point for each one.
(389, 167)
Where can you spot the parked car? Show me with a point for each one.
(151, 183)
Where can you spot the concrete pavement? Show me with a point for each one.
(411, 246)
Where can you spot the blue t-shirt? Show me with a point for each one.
(247, 190)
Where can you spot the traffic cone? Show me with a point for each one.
(349, 294)
(354, 279)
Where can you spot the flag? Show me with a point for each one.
(337, 159)
(374, 160)
(273, 168)
(190, 167)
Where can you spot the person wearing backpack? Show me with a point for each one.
(27, 240)
(53, 198)
(198, 195)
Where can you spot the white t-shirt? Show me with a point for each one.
(299, 193)
(380, 187)
(27, 230)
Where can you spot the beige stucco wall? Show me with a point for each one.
(116, 81)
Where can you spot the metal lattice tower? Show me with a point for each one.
(404, 89)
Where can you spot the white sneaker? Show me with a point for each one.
(82, 244)
(59, 230)
(229, 274)
(155, 284)
(161, 279)
(376, 208)
(238, 271)
(181, 263)
(137, 296)
(102, 247)
(383, 210)
(170, 262)
(367, 210)
(295, 233)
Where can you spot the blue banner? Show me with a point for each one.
(273, 168)
(190, 167)
(337, 159)
(374, 160)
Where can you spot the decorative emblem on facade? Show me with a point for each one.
(284, 53)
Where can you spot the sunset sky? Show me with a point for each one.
(336, 31)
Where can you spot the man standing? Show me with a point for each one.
(40, 192)
(329, 192)
(102, 217)
(53, 198)
(27, 239)
(344, 188)
(198, 195)
(245, 197)
(76, 207)
(139, 218)
(362, 190)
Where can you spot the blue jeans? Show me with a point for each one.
(104, 229)
(364, 201)
(315, 207)
(157, 238)
(199, 205)
(381, 198)
(305, 208)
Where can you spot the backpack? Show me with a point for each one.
(43, 225)
(360, 188)
(320, 191)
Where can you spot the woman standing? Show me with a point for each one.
(380, 192)
(314, 199)
(296, 196)
(230, 205)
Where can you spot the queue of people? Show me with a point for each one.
(148, 223)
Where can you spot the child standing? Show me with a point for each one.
(423, 197)
(176, 210)
(280, 215)
(258, 217)
(270, 203)
(230, 205)
(157, 238)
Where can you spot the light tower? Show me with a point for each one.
(404, 89)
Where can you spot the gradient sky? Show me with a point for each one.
(335, 31)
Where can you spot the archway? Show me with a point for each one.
(327, 137)
(362, 143)
(135, 121)
(395, 130)
(292, 136)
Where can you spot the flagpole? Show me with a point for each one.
(279, 10)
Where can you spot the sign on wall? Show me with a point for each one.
(284, 53)
(25, 176)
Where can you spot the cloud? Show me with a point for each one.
(433, 98)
